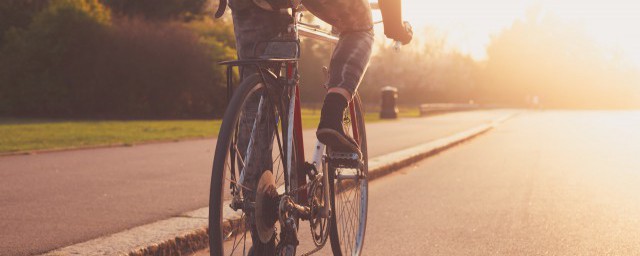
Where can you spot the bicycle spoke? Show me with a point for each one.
(236, 243)
(348, 221)
(348, 198)
(240, 155)
(244, 245)
(345, 219)
(244, 240)
(277, 158)
(354, 219)
(351, 227)
(240, 185)
(280, 174)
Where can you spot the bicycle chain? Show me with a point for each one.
(318, 248)
(303, 187)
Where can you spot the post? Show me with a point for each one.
(389, 108)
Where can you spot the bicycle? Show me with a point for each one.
(261, 135)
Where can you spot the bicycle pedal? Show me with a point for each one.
(344, 159)
(343, 155)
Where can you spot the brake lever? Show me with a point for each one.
(396, 45)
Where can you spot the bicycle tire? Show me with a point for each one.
(220, 229)
(350, 242)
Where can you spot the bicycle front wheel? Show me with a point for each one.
(348, 188)
(250, 142)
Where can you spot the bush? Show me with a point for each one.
(157, 10)
(161, 70)
(76, 61)
(38, 63)
(18, 14)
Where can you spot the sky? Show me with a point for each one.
(469, 24)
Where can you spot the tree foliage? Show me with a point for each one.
(18, 14)
(540, 56)
(559, 63)
(36, 62)
(423, 72)
(75, 60)
(157, 10)
(157, 59)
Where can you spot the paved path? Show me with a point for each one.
(546, 183)
(57, 199)
(553, 183)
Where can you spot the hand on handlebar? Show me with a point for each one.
(394, 28)
(401, 33)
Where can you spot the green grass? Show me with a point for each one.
(20, 135)
(311, 118)
(29, 135)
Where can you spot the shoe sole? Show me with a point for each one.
(337, 141)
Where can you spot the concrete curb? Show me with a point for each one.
(187, 233)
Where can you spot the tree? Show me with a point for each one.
(422, 71)
(18, 14)
(157, 10)
(35, 63)
(556, 61)
(75, 61)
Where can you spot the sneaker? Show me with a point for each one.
(330, 130)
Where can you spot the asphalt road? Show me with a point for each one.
(53, 200)
(543, 183)
(550, 183)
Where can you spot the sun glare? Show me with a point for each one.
(469, 24)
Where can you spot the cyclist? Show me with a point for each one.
(258, 21)
(261, 20)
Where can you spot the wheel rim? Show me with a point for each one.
(350, 207)
(350, 196)
(250, 155)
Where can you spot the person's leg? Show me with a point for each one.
(349, 62)
(253, 25)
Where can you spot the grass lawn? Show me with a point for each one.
(19, 135)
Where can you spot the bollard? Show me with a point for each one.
(389, 109)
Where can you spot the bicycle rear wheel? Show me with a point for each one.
(348, 188)
(250, 142)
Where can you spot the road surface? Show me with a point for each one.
(52, 200)
(543, 183)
